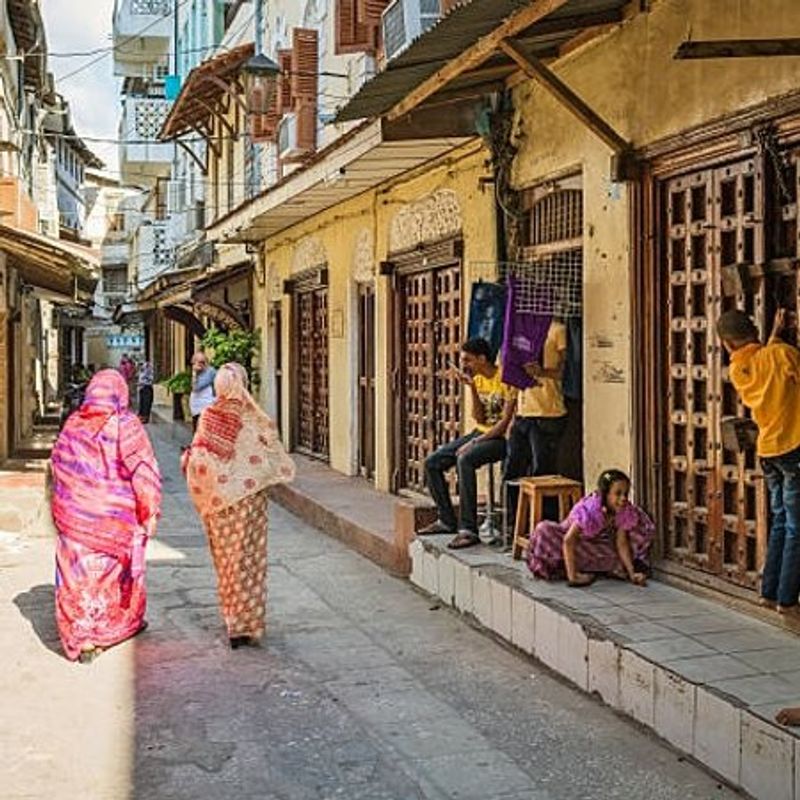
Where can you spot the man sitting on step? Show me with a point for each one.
(493, 404)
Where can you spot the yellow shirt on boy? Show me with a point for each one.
(493, 394)
(767, 378)
(546, 398)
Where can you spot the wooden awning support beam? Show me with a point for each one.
(189, 150)
(230, 89)
(207, 132)
(475, 56)
(737, 48)
(545, 77)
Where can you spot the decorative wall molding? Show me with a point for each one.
(426, 220)
(274, 283)
(309, 253)
(364, 265)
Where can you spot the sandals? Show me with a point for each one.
(463, 540)
(587, 580)
(244, 641)
(89, 654)
(435, 528)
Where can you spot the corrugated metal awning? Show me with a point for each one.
(465, 26)
(355, 163)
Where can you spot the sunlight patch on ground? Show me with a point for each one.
(157, 550)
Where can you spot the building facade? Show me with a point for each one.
(45, 280)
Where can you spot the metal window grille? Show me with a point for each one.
(158, 8)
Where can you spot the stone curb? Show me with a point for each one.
(713, 728)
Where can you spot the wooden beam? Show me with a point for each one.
(474, 56)
(534, 68)
(230, 89)
(191, 153)
(737, 48)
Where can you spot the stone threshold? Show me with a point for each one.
(704, 677)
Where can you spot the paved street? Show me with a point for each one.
(364, 691)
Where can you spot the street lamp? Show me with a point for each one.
(261, 83)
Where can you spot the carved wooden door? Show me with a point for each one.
(714, 235)
(311, 423)
(366, 380)
(430, 340)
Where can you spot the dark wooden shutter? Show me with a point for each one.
(264, 124)
(305, 86)
(305, 64)
(354, 32)
(370, 13)
(285, 82)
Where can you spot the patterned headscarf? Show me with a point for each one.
(106, 481)
(237, 450)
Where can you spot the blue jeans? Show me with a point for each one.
(444, 459)
(533, 450)
(781, 579)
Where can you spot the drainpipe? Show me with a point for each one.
(259, 50)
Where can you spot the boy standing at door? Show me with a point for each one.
(493, 404)
(767, 378)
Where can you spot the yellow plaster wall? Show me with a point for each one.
(630, 78)
(335, 233)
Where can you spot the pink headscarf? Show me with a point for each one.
(237, 450)
(106, 481)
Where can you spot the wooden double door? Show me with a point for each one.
(728, 240)
(311, 411)
(428, 336)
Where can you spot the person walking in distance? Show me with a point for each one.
(146, 380)
(767, 378)
(202, 395)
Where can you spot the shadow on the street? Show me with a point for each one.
(37, 605)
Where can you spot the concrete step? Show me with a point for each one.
(704, 677)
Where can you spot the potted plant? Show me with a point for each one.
(180, 387)
(240, 346)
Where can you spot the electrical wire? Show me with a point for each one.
(124, 42)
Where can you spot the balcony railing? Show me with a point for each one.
(142, 157)
(152, 252)
(142, 31)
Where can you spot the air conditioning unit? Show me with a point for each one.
(359, 70)
(406, 20)
(288, 145)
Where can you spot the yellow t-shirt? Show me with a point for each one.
(767, 378)
(546, 398)
(493, 394)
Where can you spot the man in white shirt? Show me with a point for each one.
(202, 395)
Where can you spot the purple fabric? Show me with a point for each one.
(524, 336)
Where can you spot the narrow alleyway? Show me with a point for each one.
(364, 691)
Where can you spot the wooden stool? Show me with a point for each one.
(532, 492)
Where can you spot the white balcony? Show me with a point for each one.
(152, 253)
(142, 158)
(142, 36)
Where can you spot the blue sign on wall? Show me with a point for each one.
(172, 87)
(124, 341)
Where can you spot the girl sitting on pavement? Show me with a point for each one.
(604, 534)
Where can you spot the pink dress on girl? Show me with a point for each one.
(596, 550)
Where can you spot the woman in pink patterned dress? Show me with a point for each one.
(604, 533)
(105, 502)
(235, 455)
